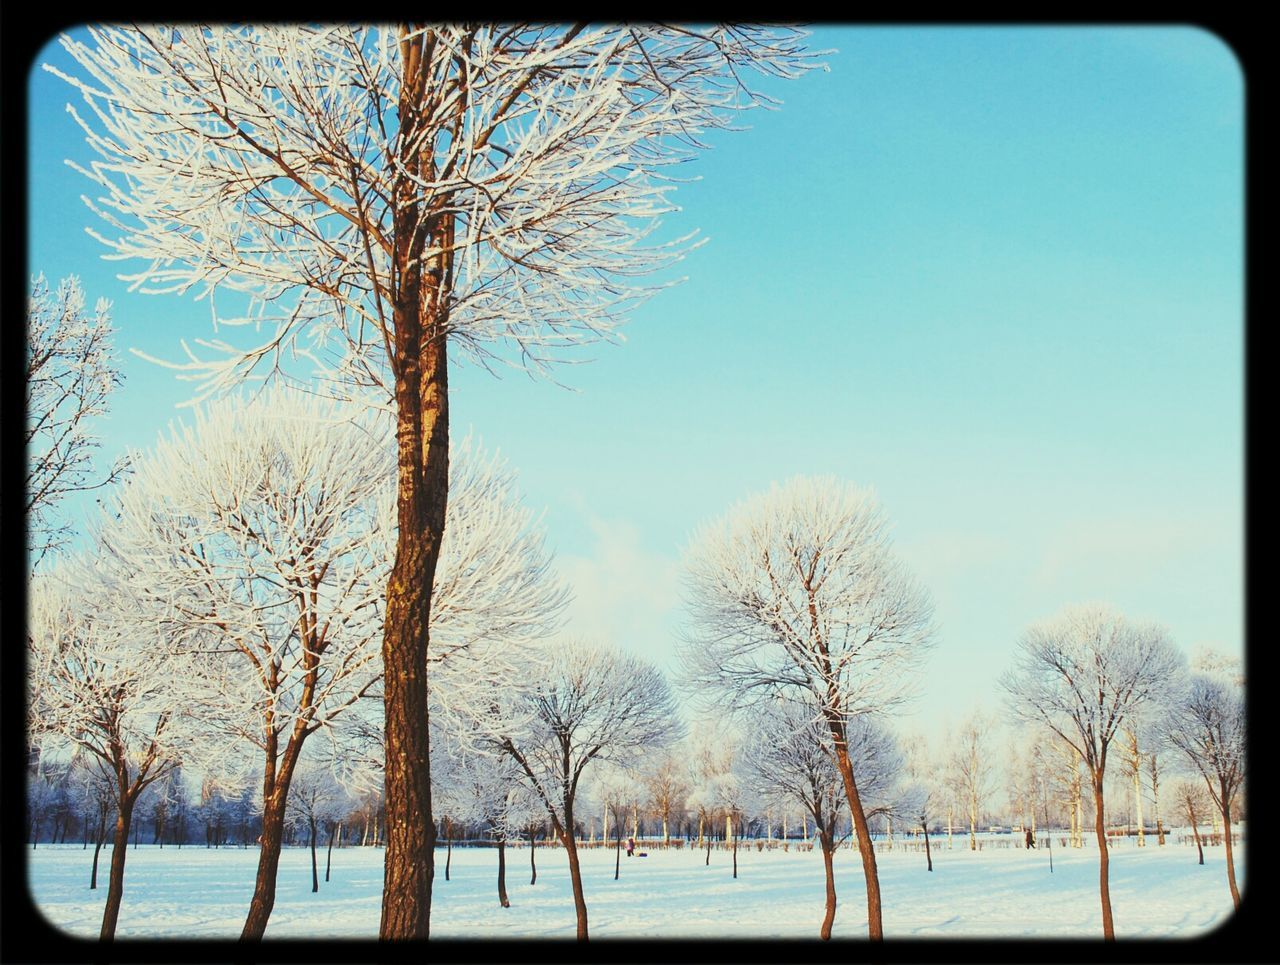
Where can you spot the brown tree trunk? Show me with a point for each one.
(1226, 837)
(275, 789)
(115, 882)
(875, 929)
(533, 864)
(575, 876)
(927, 856)
(828, 847)
(102, 836)
(328, 860)
(315, 873)
(735, 850)
(502, 873)
(422, 435)
(617, 852)
(1195, 833)
(1104, 885)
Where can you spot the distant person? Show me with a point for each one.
(631, 846)
(1031, 841)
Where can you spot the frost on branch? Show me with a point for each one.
(70, 375)
(796, 593)
(263, 160)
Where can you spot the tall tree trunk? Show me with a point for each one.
(575, 877)
(275, 787)
(1104, 884)
(315, 872)
(502, 872)
(928, 857)
(1226, 837)
(119, 849)
(828, 848)
(617, 853)
(448, 847)
(102, 836)
(735, 852)
(533, 863)
(328, 859)
(1195, 833)
(875, 928)
(422, 434)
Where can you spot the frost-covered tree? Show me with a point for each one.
(1086, 675)
(253, 542)
(1193, 798)
(666, 788)
(383, 193)
(71, 373)
(973, 764)
(789, 757)
(590, 703)
(1208, 727)
(96, 688)
(709, 753)
(796, 592)
(923, 791)
(314, 798)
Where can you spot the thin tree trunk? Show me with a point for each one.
(575, 876)
(875, 928)
(502, 873)
(928, 857)
(1226, 837)
(1195, 833)
(422, 421)
(328, 860)
(828, 847)
(102, 836)
(315, 873)
(533, 863)
(275, 787)
(617, 852)
(735, 852)
(448, 847)
(115, 881)
(1104, 885)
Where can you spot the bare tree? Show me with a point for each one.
(791, 757)
(1085, 675)
(922, 796)
(667, 788)
(394, 190)
(252, 541)
(1208, 727)
(797, 592)
(594, 703)
(71, 372)
(314, 798)
(93, 688)
(973, 764)
(1194, 800)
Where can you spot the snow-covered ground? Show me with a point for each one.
(996, 892)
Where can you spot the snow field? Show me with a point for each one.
(1006, 893)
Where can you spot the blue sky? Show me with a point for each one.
(994, 273)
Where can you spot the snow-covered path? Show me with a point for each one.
(1006, 892)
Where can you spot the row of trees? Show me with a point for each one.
(230, 605)
(382, 195)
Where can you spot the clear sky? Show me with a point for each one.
(994, 273)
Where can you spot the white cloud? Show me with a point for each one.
(622, 592)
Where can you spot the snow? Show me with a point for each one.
(997, 892)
